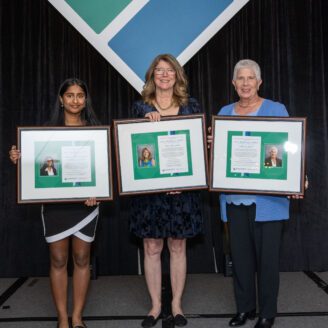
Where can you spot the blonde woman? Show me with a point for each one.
(171, 216)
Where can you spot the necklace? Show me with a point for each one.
(248, 105)
(164, 108)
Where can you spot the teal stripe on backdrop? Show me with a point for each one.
(98, 13)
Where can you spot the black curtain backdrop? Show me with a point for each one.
(39, 49)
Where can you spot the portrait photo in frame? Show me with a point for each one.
(169, 155)
(64, 164)
(263, 155)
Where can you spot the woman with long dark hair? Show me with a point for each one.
(64, 222)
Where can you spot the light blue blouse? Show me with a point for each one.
(268, 208)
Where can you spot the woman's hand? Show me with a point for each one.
(209, 138)
(153, 116)
(295, 197)
(306, 186)
(14, 154)
(92, 201)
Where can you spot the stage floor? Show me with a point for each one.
(122, 301)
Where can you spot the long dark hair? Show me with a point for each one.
(87, 115)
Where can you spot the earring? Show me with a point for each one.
(61, 105)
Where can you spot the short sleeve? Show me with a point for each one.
(284, 111)
(140, 109)
(195, 106)
(192, 107)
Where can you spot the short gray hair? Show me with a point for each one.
(274, 148)
(247, 63)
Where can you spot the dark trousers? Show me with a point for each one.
(254, 249)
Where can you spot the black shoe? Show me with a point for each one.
(79, 326)
(241, 317)
(264, 323)
(180, 320)
(149, 321)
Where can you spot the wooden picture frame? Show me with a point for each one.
(242, 150)
(178, 154)
(64, 164)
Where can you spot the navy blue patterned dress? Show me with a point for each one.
(161, 215)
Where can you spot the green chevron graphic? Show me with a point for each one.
(98, 13)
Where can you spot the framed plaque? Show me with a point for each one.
(64, 164)
(262, 155)
(169, 155)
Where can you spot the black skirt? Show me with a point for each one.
(63, 220)
(162, 215)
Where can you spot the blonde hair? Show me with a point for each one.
(180, 95)
(149, 152)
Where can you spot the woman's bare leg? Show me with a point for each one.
(153, 273)
(178, 270)
(58, 278)
(81, 277)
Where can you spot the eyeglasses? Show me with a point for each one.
(161, 71)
